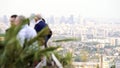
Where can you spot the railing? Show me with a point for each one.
(58, 64)
(43, 62)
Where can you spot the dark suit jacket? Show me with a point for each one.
(39, 26)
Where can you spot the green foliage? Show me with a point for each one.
(113, 66)
(2, 35)
(66, 40)
(66, 60)
(13, 55)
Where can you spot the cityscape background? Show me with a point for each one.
(94, 23)
(97, 38)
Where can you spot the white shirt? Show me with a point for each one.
(27, 33)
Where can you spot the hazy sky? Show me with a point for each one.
(85, 8)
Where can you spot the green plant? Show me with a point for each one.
(65, 60)
(12, 55)
(113, 66)
(2, 35)
(66, 40)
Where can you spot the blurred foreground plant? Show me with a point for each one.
(13, 55)
(65, 60)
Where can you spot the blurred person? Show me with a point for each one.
(12, 19)
(40, 24)
(26, 32)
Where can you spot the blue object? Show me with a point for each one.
(39, 26)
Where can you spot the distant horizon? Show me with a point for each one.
(66, 16)
(84, 8)
(70, 18)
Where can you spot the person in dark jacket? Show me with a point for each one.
(40, 24)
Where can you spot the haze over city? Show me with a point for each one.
(89, 29)
(85, 8)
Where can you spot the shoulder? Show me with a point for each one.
(30, 29)
(41, 22)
